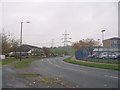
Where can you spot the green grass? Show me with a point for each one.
(38, 78)
(0, 62)
(104, 60)
(48, 80)
(8, 61)
(23, 63)
(19, 64)
(93, 64)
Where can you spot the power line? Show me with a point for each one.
(52, 43)
(66, 40)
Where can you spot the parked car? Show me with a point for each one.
(112, 56)
(62, 55)
(106, 55)
(92, 56)
(117, 57)
(103, 56)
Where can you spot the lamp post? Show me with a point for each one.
(98, 46)
(98, 49)
(21, 25)
(103, 37)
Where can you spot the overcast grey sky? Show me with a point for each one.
(49, 20)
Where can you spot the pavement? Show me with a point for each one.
(70, 75)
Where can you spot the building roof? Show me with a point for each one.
(26, 48)
(113, 38)
(31, 46)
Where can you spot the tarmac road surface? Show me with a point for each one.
(76, 75)
(70, 75)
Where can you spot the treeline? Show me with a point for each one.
(9, 44)
(87, 45)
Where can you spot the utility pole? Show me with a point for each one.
(52, 47)
(52, 43)
(66, 40)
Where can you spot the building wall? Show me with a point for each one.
(112, 44)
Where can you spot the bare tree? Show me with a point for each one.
(8, 44)
(90, 44)
(46, 51)
(14, 44)
(5, 43)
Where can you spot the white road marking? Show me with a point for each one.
(105, 85)
(66, 68)
(49, 61)
(111, 76)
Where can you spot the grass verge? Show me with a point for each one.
(39, 78)
(19, 64)
(93, 64)
(23, 63)
(0, 62)
(8, 61)
(48, 80)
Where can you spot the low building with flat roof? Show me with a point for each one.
(111, 46)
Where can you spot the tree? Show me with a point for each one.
(79, 45)
(14, 45)
(46, 51)
(8, 44)
(85, 45)
(76, 45)
(90, 44)
(5, 43)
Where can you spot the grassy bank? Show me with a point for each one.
(0, 62)
(8, 61)
(93, 64)
(19, 64)
(24, 63)
(39, 78)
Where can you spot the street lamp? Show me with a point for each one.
(98, 46)
(21, 39)
(103, 37)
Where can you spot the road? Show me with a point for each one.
(75, 75)
(69, 75)
(0, 77)
(10, 78)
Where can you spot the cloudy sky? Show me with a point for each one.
(49, 20)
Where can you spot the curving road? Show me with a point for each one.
(0, 77)
(75, 75)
